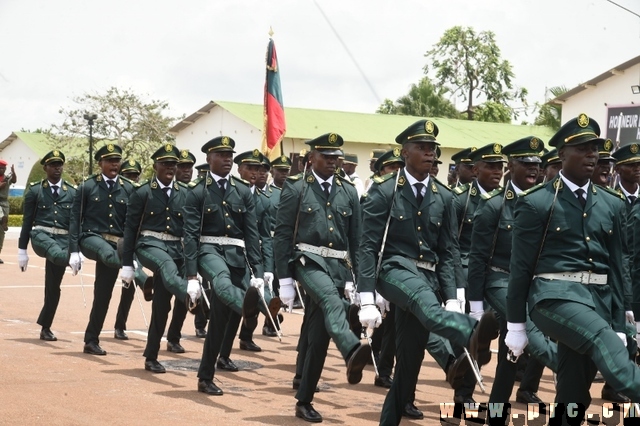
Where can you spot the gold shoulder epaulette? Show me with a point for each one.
(70, 184)
(492, 194)
(91, 177)
(617, 194)
(381, 179)
(346, 179)
(124, 179)
(182, 184)
(441, 185)
(262, 192)
(461, 189)
(195, 182)
(237, 179)
(533, 189)
(295, 177)
(34, 183)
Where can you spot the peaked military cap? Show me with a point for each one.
(265, 162)
(463, 156)
(202, 167)
(420, 131)
(186, 157)
(389, 157)
(219, 144)
(110, 150)
(491, 153)
(438, 154)
(52, 156)
(576, 131)
(328, 144)
(130, 166)
(376, 153)
(282, 162)
(168, 152)
(627, 154)
(351, 159)
(604, 151)
(526, 150)
(254, 157)
(550, 157)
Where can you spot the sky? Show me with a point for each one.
(192, 51)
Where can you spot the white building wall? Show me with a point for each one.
(22, 157)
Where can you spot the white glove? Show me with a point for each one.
(23, 259)
(287, 292)
(369, 316)
(268, 280)
(194, 290)
(356, 298)
(623, 337)
(350, 291)
(75, 262)
(127, 274)
(476, 309)
(258, 283)
(516, 338)
(460, 295)
(452, 305)
(630, 317)
(638, 332)
(135, 264)
(382, 303)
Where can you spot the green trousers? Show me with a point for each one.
(54, 248)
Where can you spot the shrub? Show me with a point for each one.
(15, 220)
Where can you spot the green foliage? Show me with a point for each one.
(422, 100)
(492, 112)
(470, 66)
(138, 125)
(37, 173)
(549, 114)
(15, 205)
(15, 220)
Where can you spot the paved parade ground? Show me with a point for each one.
(56, 384)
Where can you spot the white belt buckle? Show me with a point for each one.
(324, 252)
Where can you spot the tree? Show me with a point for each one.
(471, 67)
(493, 112)
(550, 114)
(422, 100)
(138, 125)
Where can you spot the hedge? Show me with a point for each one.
(15, 205)
(15, 220)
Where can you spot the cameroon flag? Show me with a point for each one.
(274, 123)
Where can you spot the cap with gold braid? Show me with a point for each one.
(438, 155)
(186, 157)
(526, 150)
(219, 144)
(604, 150)
(491, 153)
(110, 150)
(576, 131)
(351, 159)
(130, 166)
(420, 131)
(463, 156)
(167, 153)
(627, 154)
(389, 157)
(253, 157)
(328, 144)
(376, 153)
(52, 156)
(550, 157)
(282, 162)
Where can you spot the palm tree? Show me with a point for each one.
(550, 113)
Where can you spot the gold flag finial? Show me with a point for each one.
(270, 31)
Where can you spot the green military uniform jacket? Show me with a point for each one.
(421, 233)
(274, 198)
(465, 202)
(96, 210)
(491, 239)
(264, 228)
(208, 212)
(577, 239)
(41, 209)
(334, 223)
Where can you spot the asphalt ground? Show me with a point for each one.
(54, 383)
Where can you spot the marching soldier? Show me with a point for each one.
(606, 163)
(435, 169)
(47, 210)
(567, 270)
(220, 225)
(349, 166)
(550, 165)
(375, 155)
(489, 271)
(97, 223)
(200, 319)
(153, 231)
(316, 238)
(409, 220)
(628, 171)
(131, 169)
(464, 166)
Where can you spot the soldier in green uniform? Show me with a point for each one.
(46, 213)
(464, 166)
(489, 271)
(200, 319)
(315, 242)
(550, 165)
(97, 223)
(568, 270)
(375, 155)
(408, 219)
(606, 163)
(280, 169)
(153, 231)
(628, 173)
(130, 169)
(202, 170)
(221, 242)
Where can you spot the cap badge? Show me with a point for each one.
(583, 120)
(497, 148)
(283, 158)
(428, 126)
(225, 141)
(256, 153)
(132, 162)
(534, 143)
(608, 145)
(396, 152)
(110, 147)
(333, 138)
(168, 147)
(473, 148)
(56, 153)
(634, 148)
(184, 153)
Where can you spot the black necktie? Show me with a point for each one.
(55, 191)
(110, 184)
(419, 196)
(632, 198)
(222, 183)
(166, 190)
(326, 186)
(580, 194)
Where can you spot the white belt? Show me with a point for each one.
(222, 241)
(429, 266)
(110, 237)
(160, 235)
(496, 269)
(323, 251)
(51, 230)
(576, 277)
